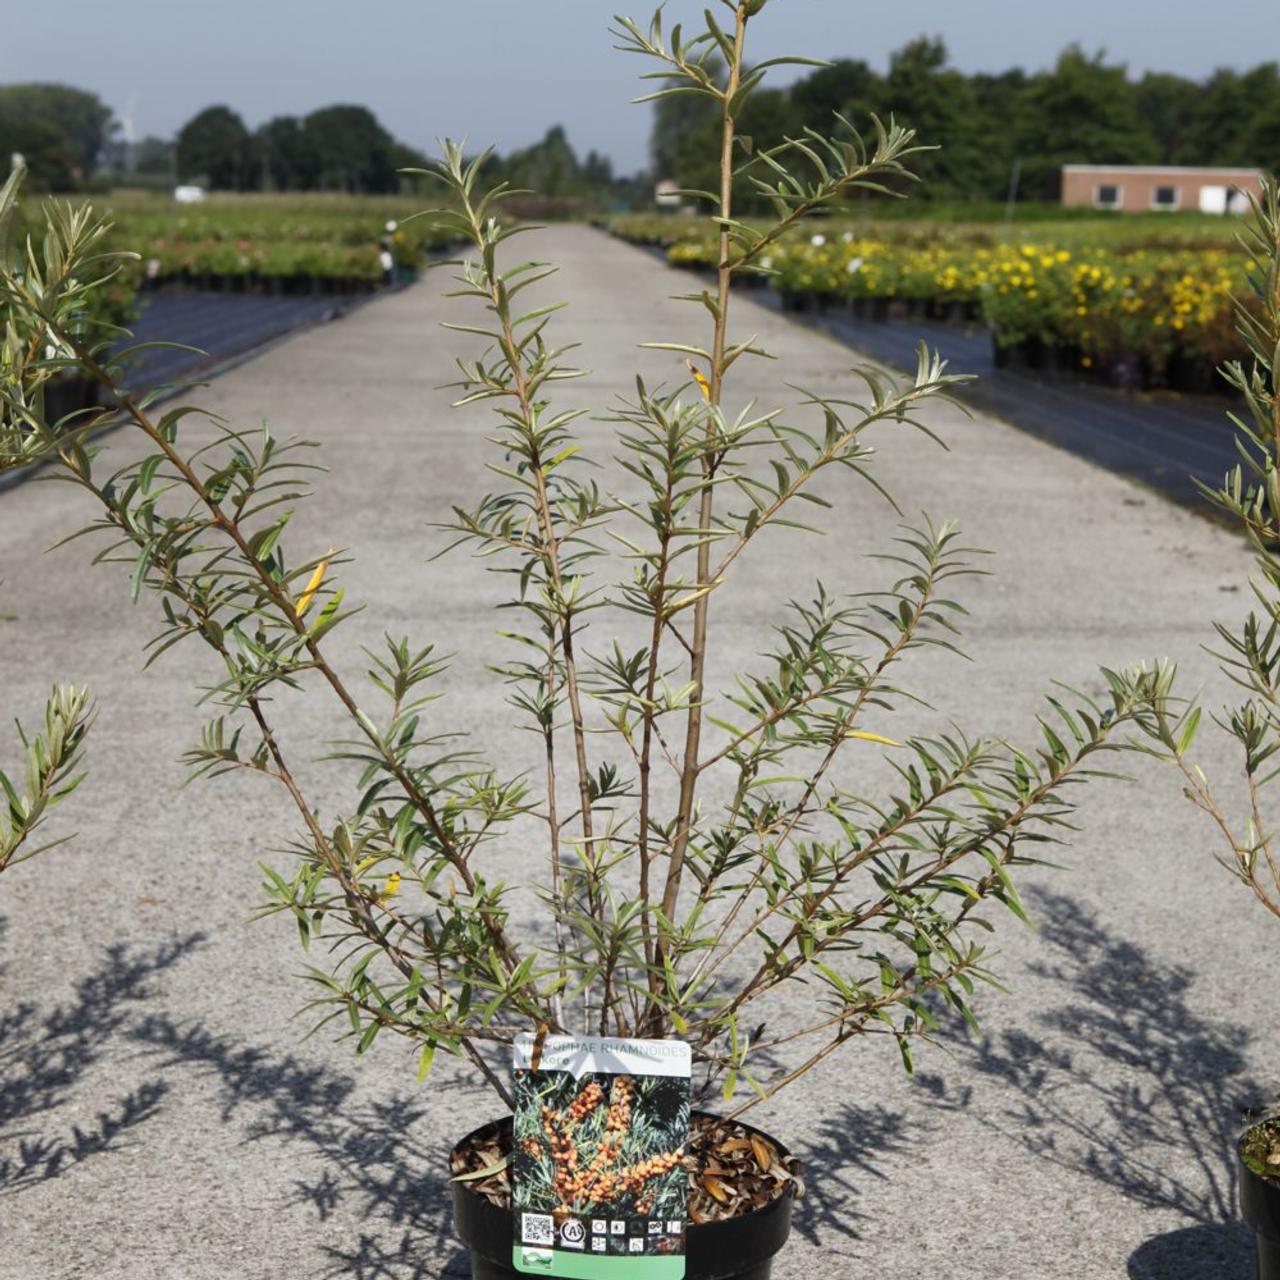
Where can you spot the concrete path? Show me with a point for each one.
(161, 1118)
(1164, 440)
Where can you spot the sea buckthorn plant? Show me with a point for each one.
(50, 772)
(706, 854)
(51, 759)
(1250, 652)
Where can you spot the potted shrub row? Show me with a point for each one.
(1128, 317)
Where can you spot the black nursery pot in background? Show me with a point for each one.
(1260, 1205)
(68, 394)
(739, 1249)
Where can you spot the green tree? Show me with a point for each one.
(50, 158)
(687, 131)
(215, 145)
(939, 103)
(353, 151)
(288, 155)
(404, 156)
(769, 118)
(683, 144)
(1084, 111)
(549, 167)
(597, 171)
(1168, 104)
(849, 87)
(153, 155)
(1221, 132)
(1001, 101)
(1262, 141)
(80, 117)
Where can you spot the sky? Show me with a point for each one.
(503, 71)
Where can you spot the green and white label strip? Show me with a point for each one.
(597, 1174)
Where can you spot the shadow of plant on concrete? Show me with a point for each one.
(46, 1053)
(1129, 1085)
(367, 1150)
(368, 1153)
(848, 1152)
(1206, 1251)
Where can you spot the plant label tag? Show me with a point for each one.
(598, 1181)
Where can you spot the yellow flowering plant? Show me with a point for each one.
(1100, 303)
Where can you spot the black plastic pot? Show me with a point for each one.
(1188, 373)
(1260, 1205)
(69, 394)
(1127, 373)
(739, 1249)
(1010, 355)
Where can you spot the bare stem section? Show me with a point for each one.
(706, 852)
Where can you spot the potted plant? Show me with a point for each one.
(64, 390)
(1250, 496)
(706, 858)
(50, 760)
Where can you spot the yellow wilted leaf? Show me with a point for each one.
(692, 598)
(872, 737)
(304, 600)
(764, 1157)
(715, 1188)
(700, 378)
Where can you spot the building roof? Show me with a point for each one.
(1160, 168)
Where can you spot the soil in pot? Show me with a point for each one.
(1260, 1148)
(742, 1184)
(1260, 1192)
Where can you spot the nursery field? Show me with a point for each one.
(277, 244)
(1141, 300)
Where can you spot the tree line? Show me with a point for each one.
(337, 148)
(70, 139)
(1082, 110)
(345, 148)
(987, 126)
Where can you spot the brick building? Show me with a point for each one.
(1135, 188)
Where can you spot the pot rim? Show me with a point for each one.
(789, 1192)
(1267, 1180)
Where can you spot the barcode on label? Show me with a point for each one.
(537, 1228)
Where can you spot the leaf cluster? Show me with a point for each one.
(50, 773)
